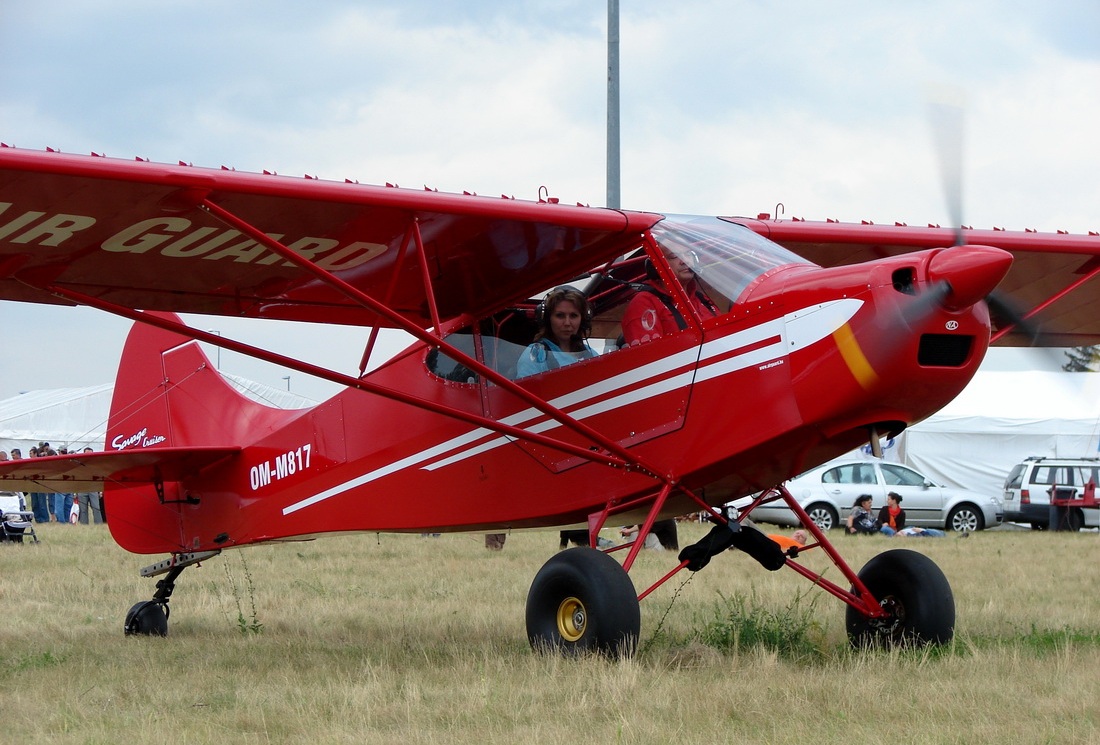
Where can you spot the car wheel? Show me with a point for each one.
(581, 601)
(823, 515)
(965, 518)
(916, 596)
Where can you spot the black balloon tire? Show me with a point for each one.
(916, 594)
(583, 601)
(147, 618)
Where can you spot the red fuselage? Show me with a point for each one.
(805, 360)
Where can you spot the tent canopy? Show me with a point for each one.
(1000, 419)
(76, 418)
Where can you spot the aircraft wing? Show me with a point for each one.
(143, 235)
(80, 472)
(1052, 281)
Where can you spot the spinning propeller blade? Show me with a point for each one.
(947, 115)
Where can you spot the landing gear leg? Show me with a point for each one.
(150, 617)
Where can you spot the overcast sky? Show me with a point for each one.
(728, 107)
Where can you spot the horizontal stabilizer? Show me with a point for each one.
(84, 472)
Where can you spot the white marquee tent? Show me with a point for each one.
(77, 417)
(1000, 419)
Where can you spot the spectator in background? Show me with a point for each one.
(40, 503)
(891, 518)
(62, 501)
(662, 536)
(920, 533)
(796, 539)
(91, 504)
(71, 514)
(860, 520)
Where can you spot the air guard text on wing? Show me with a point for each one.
(178, 237)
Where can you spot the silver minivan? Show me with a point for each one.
(1029, 485)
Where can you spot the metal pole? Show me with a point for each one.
(613, 175)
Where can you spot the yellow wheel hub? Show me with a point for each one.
(572, 619)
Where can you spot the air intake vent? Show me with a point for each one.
(944, 350)
(905, 280)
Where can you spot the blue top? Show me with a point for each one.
(545, 355)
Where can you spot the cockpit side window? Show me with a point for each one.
(443, 366)
(496, 342)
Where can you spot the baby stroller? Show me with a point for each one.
(15, 518)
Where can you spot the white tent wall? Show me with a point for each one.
(997, 421)
(77, 417)
(981, 461)
(74, 418)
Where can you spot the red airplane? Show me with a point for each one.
(819, 337)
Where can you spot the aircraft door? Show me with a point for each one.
(629, 395)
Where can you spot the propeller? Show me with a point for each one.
(947, 119)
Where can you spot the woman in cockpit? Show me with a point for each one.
(565, 319)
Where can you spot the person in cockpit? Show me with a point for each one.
(565, 319)
(652, 313)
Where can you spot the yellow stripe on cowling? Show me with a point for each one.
(854, 357)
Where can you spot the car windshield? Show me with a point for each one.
(726, 256)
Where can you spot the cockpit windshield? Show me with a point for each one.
(725, 256)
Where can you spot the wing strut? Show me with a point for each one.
(434, 339)
(609, 452)
(346, 380)
(414, 230)
(1046, 303)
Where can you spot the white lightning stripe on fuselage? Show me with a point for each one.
(518, 419)
(795, 331)
(710, 350)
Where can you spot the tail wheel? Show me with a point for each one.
(581, 601)
(916, 596)
(147, 618)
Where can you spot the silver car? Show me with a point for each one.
(828, 492)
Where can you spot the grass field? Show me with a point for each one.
(380, 639)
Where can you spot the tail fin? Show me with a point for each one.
(168, 394)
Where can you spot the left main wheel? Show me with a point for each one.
(916, 596)
(581, 601)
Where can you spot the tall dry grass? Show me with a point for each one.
(377, 639)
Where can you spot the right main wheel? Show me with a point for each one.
(582, 600)
(916, 596)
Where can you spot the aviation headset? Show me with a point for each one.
(565, 292)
